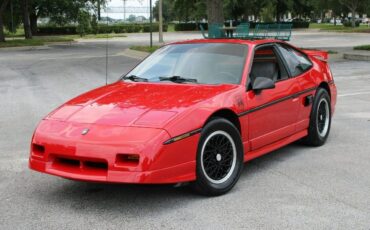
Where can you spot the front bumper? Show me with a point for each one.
(111, 154)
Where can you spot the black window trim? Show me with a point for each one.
(278, 55)
(279, 44)
(281, 62)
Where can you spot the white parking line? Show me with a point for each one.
(352, 94)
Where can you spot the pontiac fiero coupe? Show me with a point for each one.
(192, 111)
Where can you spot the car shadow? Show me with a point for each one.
(140, 199)
(280, 155)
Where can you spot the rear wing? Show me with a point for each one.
(319, 54)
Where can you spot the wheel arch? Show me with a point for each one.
(227, 114)
(325, 85)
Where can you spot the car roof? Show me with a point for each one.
(234, 41)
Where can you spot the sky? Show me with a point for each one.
(116, 8)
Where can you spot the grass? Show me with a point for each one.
(145, 48)
(332, 52)
(18, 33)
(88, 36)
(36, 41)
(340, 28)
(363, 47)
(171, 27)
(19, 41)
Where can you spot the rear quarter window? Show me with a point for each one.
(297, 62)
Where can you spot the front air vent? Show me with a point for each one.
(68, 162)
(95, 165)
(38, 150)
(127, 160)
(73, 164)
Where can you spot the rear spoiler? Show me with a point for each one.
(319, 54)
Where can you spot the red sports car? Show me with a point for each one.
(193, 111)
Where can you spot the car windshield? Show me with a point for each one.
(202, 63)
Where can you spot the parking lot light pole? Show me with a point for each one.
(151, 23)
(160, 21)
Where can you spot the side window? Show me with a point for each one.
(266, 63)
(297, 62)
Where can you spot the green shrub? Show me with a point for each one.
(155, 27)
(101, 29)
(54, 30)
(300, 24)
(132, 28)
(349, 23)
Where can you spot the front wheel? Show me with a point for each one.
(219, 158)
(320, 119)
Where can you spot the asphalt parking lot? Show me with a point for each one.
(296, 187)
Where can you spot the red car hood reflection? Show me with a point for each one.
(135, 104)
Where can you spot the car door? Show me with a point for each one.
(272, 112)
(300, 67)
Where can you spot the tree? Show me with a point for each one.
(234, 9)
(337, 9)
(320, 8)
(353, 6)
(246, 8)
(281, 7)
(215, 11)
(184, 9)
(131, 18)
(303, 8)
(167, 10)
(61, 12)
(3, 5)
(94, 24)
(268, 12)
(83, 20)
(26, 19)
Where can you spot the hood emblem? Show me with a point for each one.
(85, 131)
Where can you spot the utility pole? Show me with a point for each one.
(160, 21)
(124, 10)
(151, 23)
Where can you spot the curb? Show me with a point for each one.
(357, 57)
(134, 54)
(46, 46)
(25, 48)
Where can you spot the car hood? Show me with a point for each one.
(135, 104)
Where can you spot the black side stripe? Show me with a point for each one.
(276, 101)
(196, 131)
(182, 136)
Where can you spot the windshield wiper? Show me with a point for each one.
(178, 79)
(135, 78)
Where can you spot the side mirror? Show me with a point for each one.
(261, 83)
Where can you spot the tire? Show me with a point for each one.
(220, 158)
(320, 119)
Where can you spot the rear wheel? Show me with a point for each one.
(219, 158)
(320, 119)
